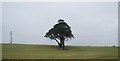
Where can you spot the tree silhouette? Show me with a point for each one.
(60, 32)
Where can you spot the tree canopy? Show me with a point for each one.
(60, 32)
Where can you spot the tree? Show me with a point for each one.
(60, 32)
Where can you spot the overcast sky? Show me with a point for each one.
(91, 23)
(60, 1)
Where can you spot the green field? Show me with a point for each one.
(26, 51)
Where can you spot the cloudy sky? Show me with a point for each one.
(91, 23)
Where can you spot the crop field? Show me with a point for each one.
(29, 51)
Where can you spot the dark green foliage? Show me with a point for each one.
(60, 32)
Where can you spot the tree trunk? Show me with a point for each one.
(60, 45)
(63, 44)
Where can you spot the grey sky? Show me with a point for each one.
(92, 23)
(0, 22)
(60, 0)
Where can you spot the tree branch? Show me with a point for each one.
(57, 41)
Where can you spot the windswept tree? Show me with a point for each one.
(60, 32)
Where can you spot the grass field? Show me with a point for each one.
(26, 51)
